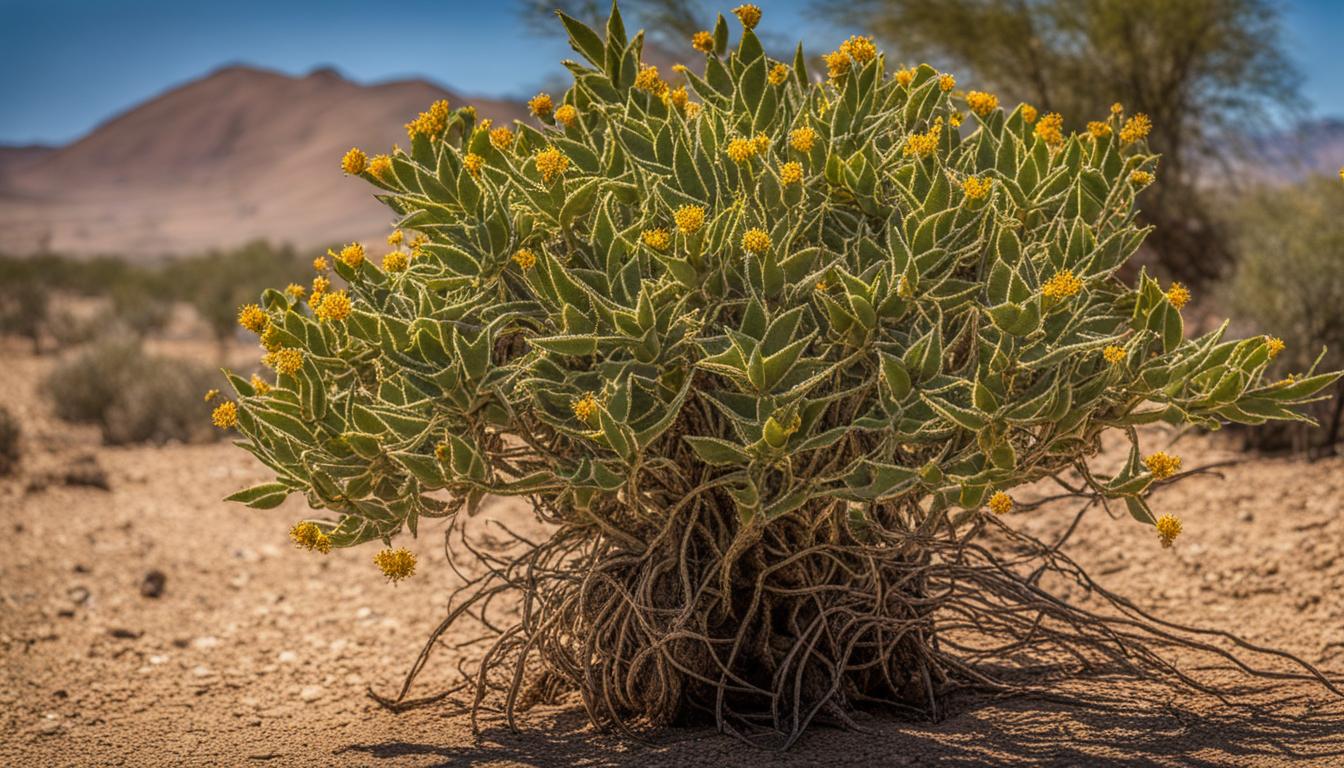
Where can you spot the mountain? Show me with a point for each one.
(239, 154)
(1310, 148)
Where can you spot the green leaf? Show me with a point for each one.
(263, 496)
(712, 450)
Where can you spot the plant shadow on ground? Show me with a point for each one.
(1129, 725)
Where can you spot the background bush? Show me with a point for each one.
(9, 441)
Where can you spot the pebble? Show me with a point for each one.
(205, 643)
(153, 583)
(287, 657)
(311, 693)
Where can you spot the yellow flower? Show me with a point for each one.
(259, 385)
(567, 114)
(320, 285)
(703, 42)
(585, 408)
(1136, 128)
(954, 120)
(395, 261)
(352, 255)
(1341, 173)
(1051, 129)
(905, 76)
(381, 168)
(1062, 285)
(1000, 503)
(692, 109)
(760, 143)
(756, 241)
(1117, 109)
(211, 394)
(649, 80)
(1099, 129)
(946, 82)
(308, 536)
(501, 138)
(778, 74)
(333, 307)
(396, 238)
(1275, 345)
(1168, 528)
(1028, 114)
(1162, 464)
(1113, 354)
(741, 150)
(1141, 178)
(748, 14)
(431, 123)
(253, 318)
(859, 48)
(821, 286)
(295, 290)
(541, 105)
(657, 239)
(802, 139)
(1178, 295)
(396, 564)
(790, 173)
(473, 163)
(689, 218)
(976, 188)
(525, 258)
(982, 103)
(677, 97)
(225, 415)
(443, 453)
(551, 163)
(837, 64)
(287, 360)
(270, 338)
(924, 144)
(354, 161)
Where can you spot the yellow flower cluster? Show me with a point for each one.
(748, 14)
(585, 408)
(354, 161)
(320, 286)
(395, 261)
(1000, 503)
(778, 74)
(756, 241)
(295, 291)
(566, 114)
(352, 255)
(253, 318)
(525, 258)
(551, 163)
(259, 385)
(308, 536)
(904, 77)
(924, 144)
(333, 307)
(396, 238)
(1113, 354)
(1141, 178)
(689, 218)
(473, 163)
(541, 105)
(381, 168)
(287, 360)
(1168, 528)
(982, 103)
(657, 239)
(225, 415)
(703, 41)
(1099, 129)
(649, 80)
(501, 138)
(1028, 114)
(802, 139)
(270, 338)
(396, 564)
(677, 97)
(791, 173)
(1178, 295)
(430, 124)
(946, 82)
(976, 187)
(1136, 128)
(211, 394)
(1275, 345)
(1051, 129)
(320, 264)
(1062, 285)
(741, 150)
(1162, 464)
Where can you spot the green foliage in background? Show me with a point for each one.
(11, 434)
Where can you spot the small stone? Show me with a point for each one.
(50, 727)
(287, 657)
(122, 633)
(311, 693)
(157, 659)
(201, 670)
(205, 643)
(153, 583)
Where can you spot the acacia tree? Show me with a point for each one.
(1206, 71)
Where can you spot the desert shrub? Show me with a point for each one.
(772, 360)
(1290, 278)
(133, 397)
(23, 308)
(10, 435)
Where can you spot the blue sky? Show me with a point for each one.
(66, 65)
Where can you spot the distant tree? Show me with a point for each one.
(1207, 72)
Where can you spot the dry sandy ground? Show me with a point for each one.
(259, 654)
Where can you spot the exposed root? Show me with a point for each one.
(803, 620)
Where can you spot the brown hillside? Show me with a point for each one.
(239, 154)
